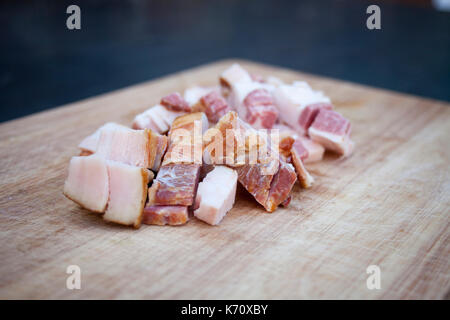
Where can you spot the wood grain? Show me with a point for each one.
(387, 205)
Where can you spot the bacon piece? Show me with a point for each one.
(332, 130)
(193, 94)
(127, 193)
(297, 153)
(280, 186)
(269, 179)
(175, 102)
(216, 195)
(157, 118)
(232, 75)
(175, 184)
(89, 144)
(262, 117)
(165, 215)
(214, 106)
(315, 150)
(185, 139)
(292, 100)
(309, 113)
(142, 148)
(258, 97)
(87, 183)
(261, 112)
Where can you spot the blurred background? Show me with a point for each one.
(121, 43)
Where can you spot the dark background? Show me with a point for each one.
(44, 65)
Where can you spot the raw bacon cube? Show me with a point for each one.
(175, 185)
(216, 195)
(214, 106)
(127, 193)
(87, 183)
(332, 130)
(175, 102)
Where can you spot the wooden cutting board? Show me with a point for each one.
(387, 205)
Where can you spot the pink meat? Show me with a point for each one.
(315, 150)
(165, 215)
(269, 179)
(309, 113)
(175, 102)
(175, 185)
(127, 193)
(261, 112)
(332, 130)
(297, 104)
(87, 183)
(216, 195)
(281, 185)
(297, 153)
(262, 117)
(214, 106)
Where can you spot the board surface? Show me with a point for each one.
(387, 205)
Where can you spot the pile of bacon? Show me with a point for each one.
(258, 132)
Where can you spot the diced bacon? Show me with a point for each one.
(216, 195)
(305, 179)
(332, 130)
(261, 112)
(258, 97)
(309, 113)
(165, 215)
(141, 148)
(269, 179)
(262, 117)
(127, 193)
(87, 183)
(301, 152)
(251, 101)
(89, 144)
(175, 102)
(214, 106)
(315, 150)
(280, 186)
(185, 139)
(291, 100)
(234, 74)
(157, 118)
(193, 94)
(175, 184)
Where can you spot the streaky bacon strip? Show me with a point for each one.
(165, 215)
(175, 102)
